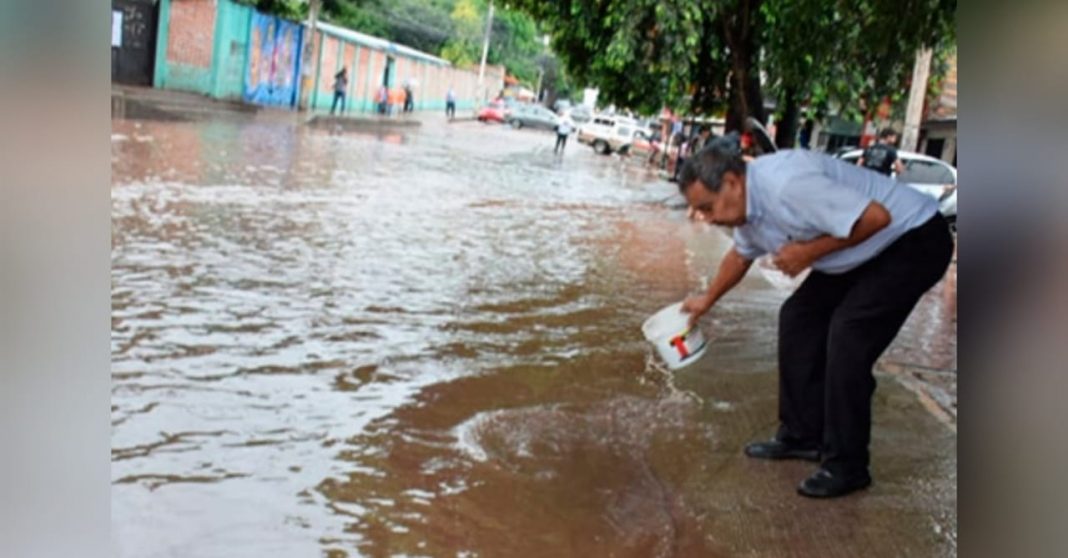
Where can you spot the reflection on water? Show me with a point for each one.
(421, 344)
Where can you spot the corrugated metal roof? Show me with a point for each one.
(378, 43)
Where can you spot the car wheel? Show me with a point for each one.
(516, 124)
(601, 146)
(625, 150)
(952, 220)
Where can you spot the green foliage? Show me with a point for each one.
(645, 54)
(849, 54)
(464, 47)
(289, 9)
(640, 53)
(515, 43)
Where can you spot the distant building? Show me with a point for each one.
(938, 132)
(226, 50)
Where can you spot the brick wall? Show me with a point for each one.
(329, 66)
(360, 78)
(191, 34)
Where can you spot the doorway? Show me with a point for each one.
(133, 41)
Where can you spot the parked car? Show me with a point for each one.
(608, 134)
(495, 111)
(579, 114)
(931, 176)
(646, 143)
(532, 116)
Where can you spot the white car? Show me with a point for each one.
(607, 134)
(931, 176)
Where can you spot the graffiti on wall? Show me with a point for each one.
(273, 61)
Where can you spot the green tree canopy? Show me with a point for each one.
(708, 56)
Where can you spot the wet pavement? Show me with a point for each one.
(427, 343)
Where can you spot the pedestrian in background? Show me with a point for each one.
(383, 99)
(881, 157)
(563, 129)
(341, 82)
(450, 103)
(805, 137)
(396, 100)
(409, 99)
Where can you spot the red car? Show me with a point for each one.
(493, 112)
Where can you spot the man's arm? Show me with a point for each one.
(898, 167)
(795, 257)
(731, 270)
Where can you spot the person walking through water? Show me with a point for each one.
(450, 103)
(383, 99)
(409, 98)
(873, 248)
(882, 157)
(341, 82)
(563, 129)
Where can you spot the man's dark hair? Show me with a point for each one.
(709, 165)
(887, 132)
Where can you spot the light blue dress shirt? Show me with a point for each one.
(797, 195)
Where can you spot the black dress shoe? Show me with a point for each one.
(775, 449)
(824, 484)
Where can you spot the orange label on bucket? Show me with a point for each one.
(683, 344)
(679, 342)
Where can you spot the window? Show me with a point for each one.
(624, 132)
(926, 172)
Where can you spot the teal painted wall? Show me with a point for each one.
(230, 55)
(171, 75)
(162, 32)
(225, 77)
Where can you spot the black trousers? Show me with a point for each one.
(338, 96)
(561, 142)
(834, 328)
(450, 109)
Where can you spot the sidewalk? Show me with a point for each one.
(159, 104)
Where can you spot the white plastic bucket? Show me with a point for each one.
(677, 345)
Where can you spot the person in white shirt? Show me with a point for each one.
(563, 129)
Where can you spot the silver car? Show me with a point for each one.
(931, 176)
(532, 116)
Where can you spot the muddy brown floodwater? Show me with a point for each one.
(428, 344)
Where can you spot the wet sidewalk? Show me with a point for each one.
(426, 342)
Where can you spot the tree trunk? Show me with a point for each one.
(786, 130)
(746, 98)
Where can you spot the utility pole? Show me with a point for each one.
(307, 64)
(910, 136)
(485, 51)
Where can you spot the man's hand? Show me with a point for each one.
(696, 306)
(794, 258)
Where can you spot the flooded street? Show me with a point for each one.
(427, 343)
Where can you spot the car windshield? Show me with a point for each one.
(926, 172)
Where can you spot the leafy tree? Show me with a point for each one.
(714, 55)
(515, 43)
(465, 46)
(848, 55)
